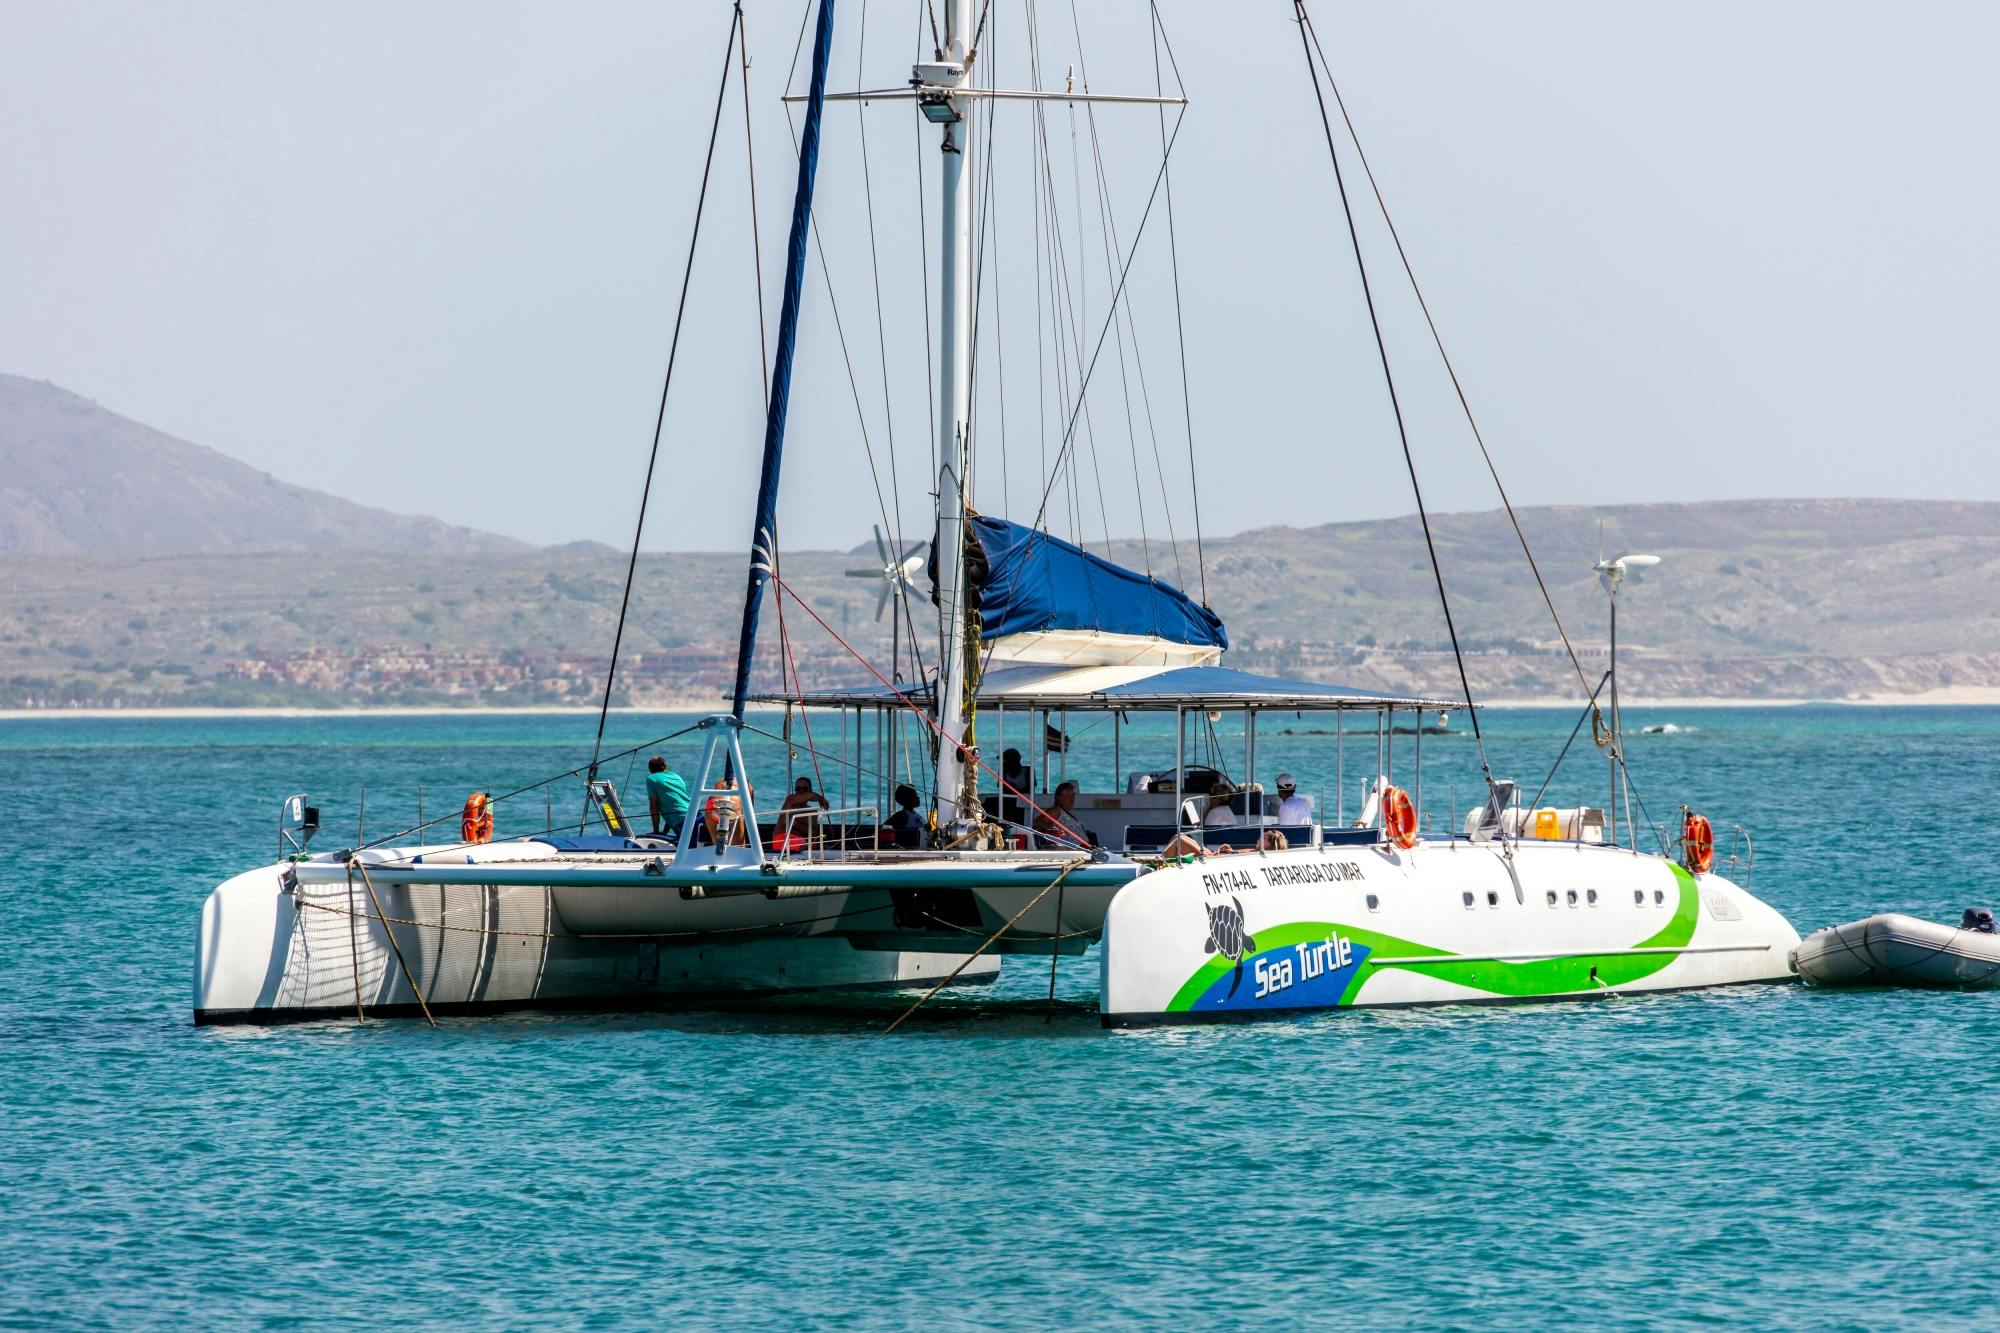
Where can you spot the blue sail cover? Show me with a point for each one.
(1036, 583)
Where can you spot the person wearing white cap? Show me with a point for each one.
(1293, 809)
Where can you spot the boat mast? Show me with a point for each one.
(935, 83)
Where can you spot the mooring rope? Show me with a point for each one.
(396, 948)
(991, 940)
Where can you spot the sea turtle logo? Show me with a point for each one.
(1227, 937)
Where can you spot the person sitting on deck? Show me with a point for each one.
(1274, 840)
(1057, 824)
(796, 817)
(1293, 809)
(908, 824)
(1218, 814)
(725, 817)
(666, 797)
(1015, 774)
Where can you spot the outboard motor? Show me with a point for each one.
(1978, 919)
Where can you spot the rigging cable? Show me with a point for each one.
(1069, 431)
(1107, 235)
(847, 361)
(899, 591)
(924, 259)
(1180, 327)
(787, 660)
(875, 269)
(660, 420)
(1389, 379)
(1450, 370)
(1131, 325)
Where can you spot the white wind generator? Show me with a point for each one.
(1612, 575)
(897, 575)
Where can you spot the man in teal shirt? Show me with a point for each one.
(666, 797)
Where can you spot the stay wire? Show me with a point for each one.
(1180, 325)
(1464, 404)
(846, 357)
(532, 786)
(1069, 430)
(1395, 403)
(756, 242)
(1107, 228)
(660, 419)
(1575, 731)
(1131, 327)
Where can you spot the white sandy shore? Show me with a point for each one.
(1962, 696)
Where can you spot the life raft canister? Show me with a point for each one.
(1697, 843)
(1399, 817)
(476, 824)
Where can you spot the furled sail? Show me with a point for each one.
(1042, 599)
(763, 536)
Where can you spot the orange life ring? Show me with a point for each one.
(1697, 843)
(1399, 817)
(476, 823)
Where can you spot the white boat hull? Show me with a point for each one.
(1443, 923)
(274, 950)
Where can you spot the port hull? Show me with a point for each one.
(272, 949)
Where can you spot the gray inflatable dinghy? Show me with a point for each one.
(1896, 950)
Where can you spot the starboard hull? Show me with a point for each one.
(1443, 923)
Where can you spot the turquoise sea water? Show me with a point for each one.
(1766, 1155)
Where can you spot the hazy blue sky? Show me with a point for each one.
(425, 255)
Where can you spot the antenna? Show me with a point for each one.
(1612, 575)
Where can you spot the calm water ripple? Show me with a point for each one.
(1766, 1155)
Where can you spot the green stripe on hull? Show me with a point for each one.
(1548, 976)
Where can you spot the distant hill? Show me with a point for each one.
(76, 479)
(1773, 599)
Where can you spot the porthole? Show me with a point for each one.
(1590, 896)
(1374, 903)
(1468, 900)
(1492, 898)
(1638, 897)
(1659, 896)
(1572, 897)
(1552, 897)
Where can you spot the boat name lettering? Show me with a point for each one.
(1314, 958)
(1312, 872)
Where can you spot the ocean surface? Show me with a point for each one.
(1769, 1155)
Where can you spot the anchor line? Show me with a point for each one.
(396, 948)
(991, 940)
(354, 948)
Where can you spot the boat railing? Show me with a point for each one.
(814, 835)
(1747, 862)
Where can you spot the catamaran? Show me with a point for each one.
(1206, 896)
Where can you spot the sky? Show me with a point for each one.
(427, 256)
